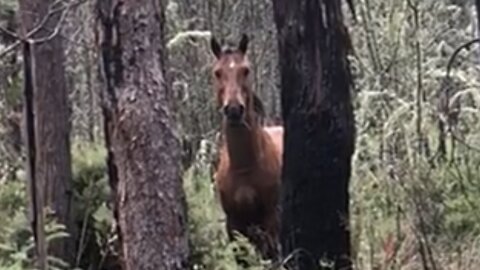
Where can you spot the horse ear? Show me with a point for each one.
(243, 45)
(215, 47)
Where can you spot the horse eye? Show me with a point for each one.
(245, 72)
(218, 74)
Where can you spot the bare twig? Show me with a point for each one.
(466, 45)
(27, 38)
(81, 243)
(444, 123)
(419, 93)
(8, 32)
(464, 143)
(293, 255)
(370, 37)
(57, 27)
(425, 247)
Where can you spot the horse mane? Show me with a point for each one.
(259, 109)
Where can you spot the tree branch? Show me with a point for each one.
(466, 45)
(27, 38)
(444, 119)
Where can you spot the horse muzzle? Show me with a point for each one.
(234, 113)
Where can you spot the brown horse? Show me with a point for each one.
(248, 174)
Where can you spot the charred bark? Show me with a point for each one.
(319, 136)
(477, 8)
(144, 151)
(51, 123)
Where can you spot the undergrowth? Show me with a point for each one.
(404, 215)
(92, 215)
(211, 248)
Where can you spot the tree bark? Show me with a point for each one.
(319, 131)
(144, 148)
(51, 121)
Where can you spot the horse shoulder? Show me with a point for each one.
(276, 134)
(221, 173)
(270, 165)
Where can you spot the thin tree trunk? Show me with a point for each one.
(36, 217)
(144, 149)
(90, 96)
(477, 5)
(52, 130)
(319, 138)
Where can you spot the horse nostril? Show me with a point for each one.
(233, 112)
(241, 109)
(225, 110)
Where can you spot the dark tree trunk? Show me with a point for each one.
(319, 138)
(51, 121)
(144, 155)
(477, 6)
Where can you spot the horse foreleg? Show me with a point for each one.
(270, 228)
(233, 226)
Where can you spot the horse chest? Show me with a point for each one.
(246, 193)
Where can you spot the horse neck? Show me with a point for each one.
(243, 144)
